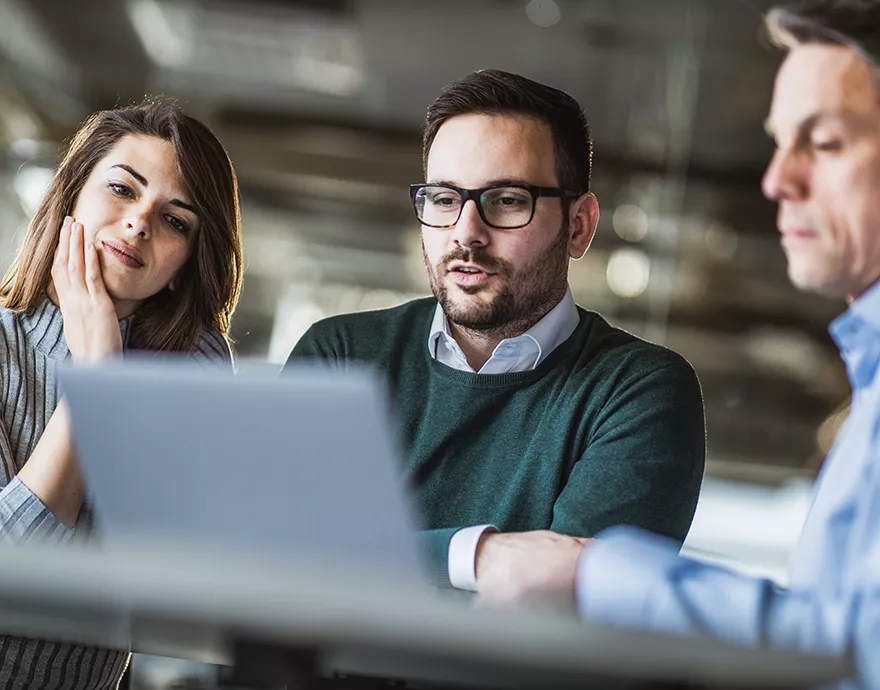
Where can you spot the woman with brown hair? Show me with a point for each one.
(136, 246)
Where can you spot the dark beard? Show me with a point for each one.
(526, 294)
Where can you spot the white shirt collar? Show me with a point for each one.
(522, 353)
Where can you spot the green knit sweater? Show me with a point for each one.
(607, 430)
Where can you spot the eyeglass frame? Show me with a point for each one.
(474, 194)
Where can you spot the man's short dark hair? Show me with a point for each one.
(851, 23)
(493, 92)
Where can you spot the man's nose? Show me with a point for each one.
(470, 230)
(785, 177)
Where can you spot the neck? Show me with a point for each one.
(855, 294)
(479, 344)
(125, 308)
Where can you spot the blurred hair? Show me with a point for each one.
(851, 23)
(207, 288)
(493, 92)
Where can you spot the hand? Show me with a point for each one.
(524, 567)
(91, 326)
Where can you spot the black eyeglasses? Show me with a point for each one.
(505, 207)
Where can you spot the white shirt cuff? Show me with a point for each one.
(462, 557)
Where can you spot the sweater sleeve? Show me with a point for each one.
(434, 544)
(23, 517)
(212, 349)
(316, 344)
(644, 461)
(632, 579)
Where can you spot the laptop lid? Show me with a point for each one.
(302, 465)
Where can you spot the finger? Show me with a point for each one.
(76, 258)
(89, 234)
(62, 252)
(63, 248)
(94, 277)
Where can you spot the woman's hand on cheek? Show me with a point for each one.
(91, 326)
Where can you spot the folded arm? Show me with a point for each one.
(643, 466)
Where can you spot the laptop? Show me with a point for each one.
(302, 465)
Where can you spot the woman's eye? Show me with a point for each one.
(177, 225)
(120, 189)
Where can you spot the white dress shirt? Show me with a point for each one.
(523, 353)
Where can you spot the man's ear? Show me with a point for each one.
(584, 217)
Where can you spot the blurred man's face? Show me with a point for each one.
(490, 279)
(825, 174)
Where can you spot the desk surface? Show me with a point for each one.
(193, 604)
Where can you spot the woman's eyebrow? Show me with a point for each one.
(184, 205)
(134, 173)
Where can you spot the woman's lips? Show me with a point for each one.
(122, 255)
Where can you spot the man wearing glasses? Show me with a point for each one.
(531, 423)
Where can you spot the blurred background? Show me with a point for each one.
(319, 103)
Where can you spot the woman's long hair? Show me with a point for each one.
(208, 286)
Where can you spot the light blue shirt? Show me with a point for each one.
(832, 605)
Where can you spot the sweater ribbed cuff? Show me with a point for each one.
(23, 517)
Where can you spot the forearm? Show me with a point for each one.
(521, 567)
(51, 472)
(636, 580)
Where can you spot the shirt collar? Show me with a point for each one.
(550, 332)
(867, 307)
(556, 327)
(438, 328)
(857, 334)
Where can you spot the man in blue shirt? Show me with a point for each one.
(825, 176)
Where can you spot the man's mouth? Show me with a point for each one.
(468, 269)
(798, 233)
(468, 275)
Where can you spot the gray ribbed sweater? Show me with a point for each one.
(30, 346)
